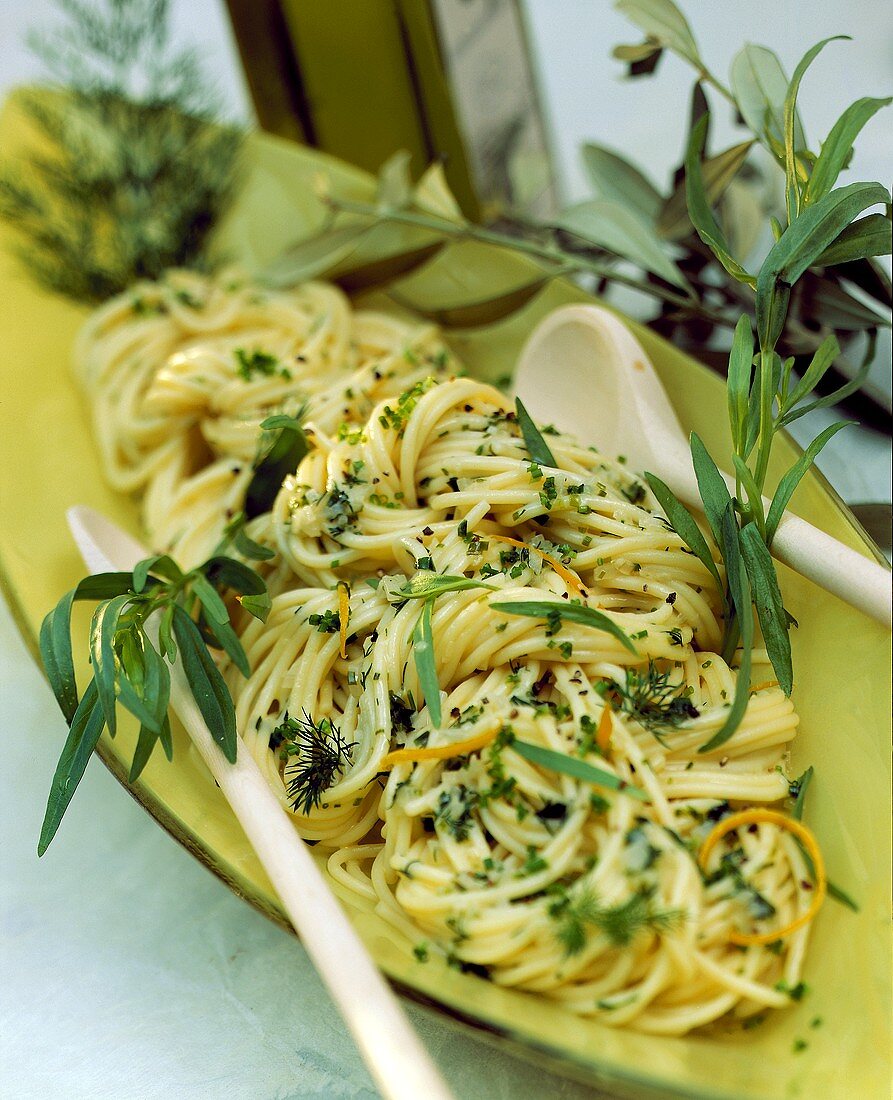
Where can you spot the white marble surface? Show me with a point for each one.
(127, 971)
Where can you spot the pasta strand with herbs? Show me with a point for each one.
(499, 747)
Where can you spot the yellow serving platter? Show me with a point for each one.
(841, 658)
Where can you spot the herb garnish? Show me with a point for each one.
(537, 447)
(282, 445)
(323, 752)
(554, 611)
(621, 923)
(653, 700)
(574, 767)
(156, 603)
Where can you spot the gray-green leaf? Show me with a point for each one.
(614, 178)
(663, 21)
(837, 148)
(426, 663)
(613, 226)
(760, 85)
(683, 523)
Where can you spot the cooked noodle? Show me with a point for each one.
(540, 880)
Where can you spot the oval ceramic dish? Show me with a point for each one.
(842, 662)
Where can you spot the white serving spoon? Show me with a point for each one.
(399, 1064)
(583, 370)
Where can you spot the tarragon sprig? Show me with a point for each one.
(763, 395)
(143, 621)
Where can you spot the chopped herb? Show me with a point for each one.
(323, 755)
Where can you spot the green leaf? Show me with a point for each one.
(227, 638)
(768, 602)
(802, 785)
(611, 177)
(823, 358)
(102, 654)
(739, 590)
(866, 237)
(248, 548)
(718, 172)
(790, 121)
(258, 606)
(537, 447)
(664, 22)
(207, 685)
(161, 565)
(225, 572)
(792, 478)
(684, 524)
(569, 612)
(55, 652)
(315, 255)
(754, 496)
(738, 384)
(613, 226)
(433, 195)
(837, 149)
(574, 767)
(86, 729)
(760, 85)
(839, 394)
(712, 487)
(473, 311)
(426, 663)
(699, 207)
(279, 454)
(425, 585)
(145, 744)
(394, 182)
(215, 609)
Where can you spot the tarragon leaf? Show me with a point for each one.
(792, 478)
(684, 524)
(738, 386)
(569, 612)
(613, 177)
(425, 585)
(664, 22)
(768, 602)
(102, 654)
(837, 148)
(207, 685)
(574, 767)
(862, 239)
(711, 485)
(537, 447)
(760, 85)
(739, 589)
(86, 728)
(426, 663)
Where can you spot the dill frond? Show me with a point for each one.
(653, 700)
(574, 914)
(125, 173)
(323, 753)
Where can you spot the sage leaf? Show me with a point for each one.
(86, 728)
(685, 526)
(613, 226)
(475, 310)
(718, 172)
(699, 207)
(614, 178)
(664, 22)
(574, 767)
(836, 150)
(394, 182)
(207, 685)
(792, 478)
(426, 663)
(315, 255)
(739, 590)
(537, 447)
(768, 602)
(570, 612)
(760, 85)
